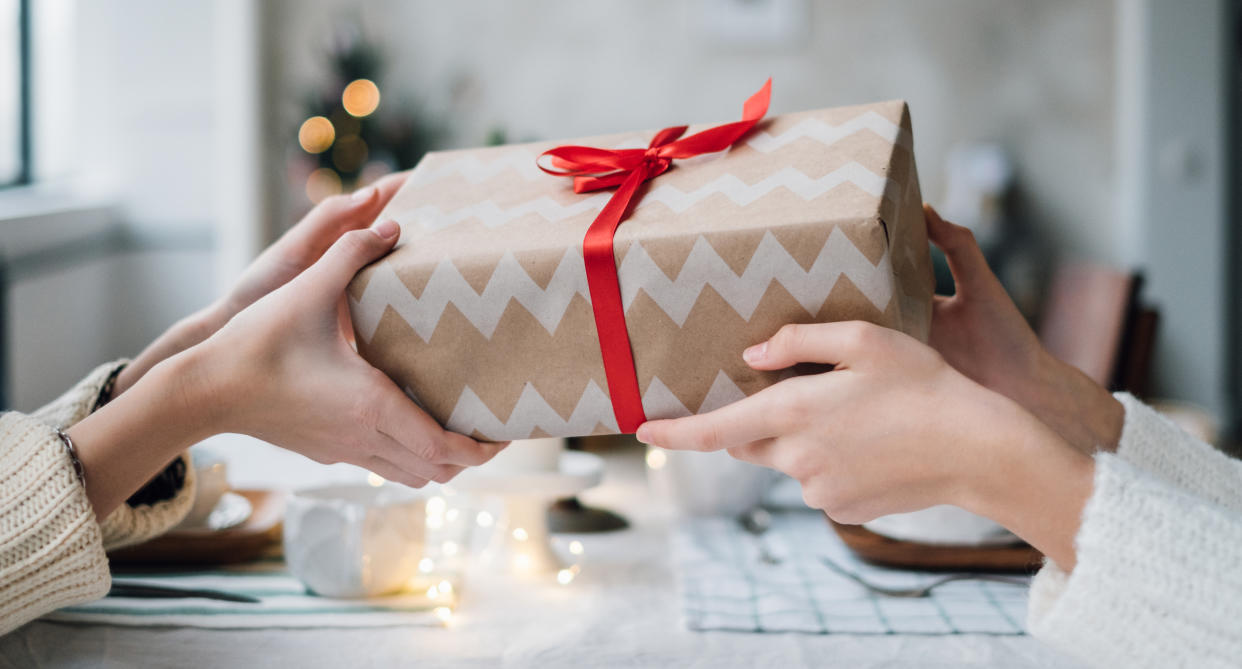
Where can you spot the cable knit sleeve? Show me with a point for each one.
(130, 523)
(1155, 444)
(51, 549)
(1158, 580)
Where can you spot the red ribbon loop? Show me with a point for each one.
(626, 169)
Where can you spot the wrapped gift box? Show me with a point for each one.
(483, 315)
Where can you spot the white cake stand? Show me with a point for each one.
(522, 544)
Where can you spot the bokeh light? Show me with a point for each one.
(322, 184)
(316, 134)
(360, 97)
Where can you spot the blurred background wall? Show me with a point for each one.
(1108, 120)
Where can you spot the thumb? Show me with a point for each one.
(353, 251)
(970, 269)
(826, 343)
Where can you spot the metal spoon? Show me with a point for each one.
(918, 591)
(757, 522)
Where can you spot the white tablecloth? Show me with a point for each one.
(621, 611)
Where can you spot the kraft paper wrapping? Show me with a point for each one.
(482, 312)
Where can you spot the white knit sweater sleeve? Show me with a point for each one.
(1154, 443)
(1158, 580)
(51, 547)
(127, 524)
(51, 550)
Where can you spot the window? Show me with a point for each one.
(14, 98)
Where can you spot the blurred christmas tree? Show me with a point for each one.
(349, 138)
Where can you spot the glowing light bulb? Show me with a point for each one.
(576, 548)
(565, 576)
(444, 613)
(656, 458)
(425, 565)
(484, 519)
(445, 587)
(375, 480)
(360, 97)
(433, 592)
(520, 534)
(316, 134)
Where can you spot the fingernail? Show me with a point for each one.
(755, 353)
(362, 194)
(386, 229)
(643, 434)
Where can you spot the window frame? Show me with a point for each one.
(25, 148)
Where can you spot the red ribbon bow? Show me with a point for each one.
(594, 169)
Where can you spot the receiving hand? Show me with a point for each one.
(295, 251)
(981, 333)
(283, 371)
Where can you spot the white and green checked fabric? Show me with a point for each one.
(725, 586)
(285, 604)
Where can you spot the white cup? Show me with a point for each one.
(708, 484)
(526, 456)
(355, 540)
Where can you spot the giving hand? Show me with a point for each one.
(894, 428)
(981, 333)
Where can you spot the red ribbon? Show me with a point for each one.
(594, 169)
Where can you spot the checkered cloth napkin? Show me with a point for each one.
(726, 586)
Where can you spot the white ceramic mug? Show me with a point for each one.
(355, 540)
(708, 484)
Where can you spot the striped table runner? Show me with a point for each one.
(285, 603)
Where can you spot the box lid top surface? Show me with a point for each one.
(819, 166)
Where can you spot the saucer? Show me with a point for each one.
(231, 511)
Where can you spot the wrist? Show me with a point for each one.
(1083, 412)
(196, 389)
(1030, 481)
(182, 335)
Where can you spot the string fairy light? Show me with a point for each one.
(484, 519)
(656, 458)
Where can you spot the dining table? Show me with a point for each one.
(622, 610)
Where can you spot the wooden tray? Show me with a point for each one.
(258, 537)
(886, 552)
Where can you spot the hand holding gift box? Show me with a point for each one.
(485, 315)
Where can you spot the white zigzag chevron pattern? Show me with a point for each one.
(827, 134)
(533, 412)
(770, 262)
(523, 162)
(491, 215)
(446, 285)
(703, 267)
